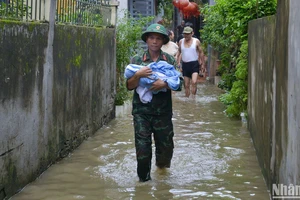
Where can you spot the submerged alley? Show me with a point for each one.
(214, 158)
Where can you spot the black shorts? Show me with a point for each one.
(188, 68)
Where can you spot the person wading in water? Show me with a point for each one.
(190, 57)
(155, 116)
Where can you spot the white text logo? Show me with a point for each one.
(281, 191)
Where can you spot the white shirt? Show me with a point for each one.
(170, 48)
(189, 54)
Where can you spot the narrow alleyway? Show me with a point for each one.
(213, 159)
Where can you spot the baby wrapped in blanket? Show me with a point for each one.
(160, 70)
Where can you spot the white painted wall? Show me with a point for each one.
(123, 6)
(212, 2)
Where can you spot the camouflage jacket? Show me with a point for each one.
(161, 103)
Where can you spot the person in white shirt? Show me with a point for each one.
(191, 57)
(171, 47)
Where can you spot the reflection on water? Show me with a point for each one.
(213, 159)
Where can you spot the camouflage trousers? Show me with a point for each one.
(162, 129)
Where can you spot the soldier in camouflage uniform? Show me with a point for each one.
(156, 116)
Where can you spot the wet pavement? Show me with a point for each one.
(213, 158)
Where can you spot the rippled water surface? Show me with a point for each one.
(213, 159)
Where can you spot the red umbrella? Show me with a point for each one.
(180, 4)
(196, 11)
(190, 10)
(175, 3)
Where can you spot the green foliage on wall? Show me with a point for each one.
(226, 29)
(167, 8)
(14, 10)
(85, 18)
(128, 35)
(236, 99)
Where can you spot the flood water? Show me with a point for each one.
(214, 158)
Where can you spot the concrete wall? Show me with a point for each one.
(260, 81)
(289, 171)
(57, 87)
(274, 93)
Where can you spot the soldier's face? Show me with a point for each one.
(155, 41)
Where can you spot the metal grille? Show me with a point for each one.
(24, 10)
(78, 12)
(83, 12)
(141, 8)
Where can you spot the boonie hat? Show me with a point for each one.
(187, 30)
(156, 28)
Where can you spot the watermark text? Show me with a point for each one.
(281, 191)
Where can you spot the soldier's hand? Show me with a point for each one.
(144, 72)
(158, 85)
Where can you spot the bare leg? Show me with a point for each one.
(194, 83)
(187, 86)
